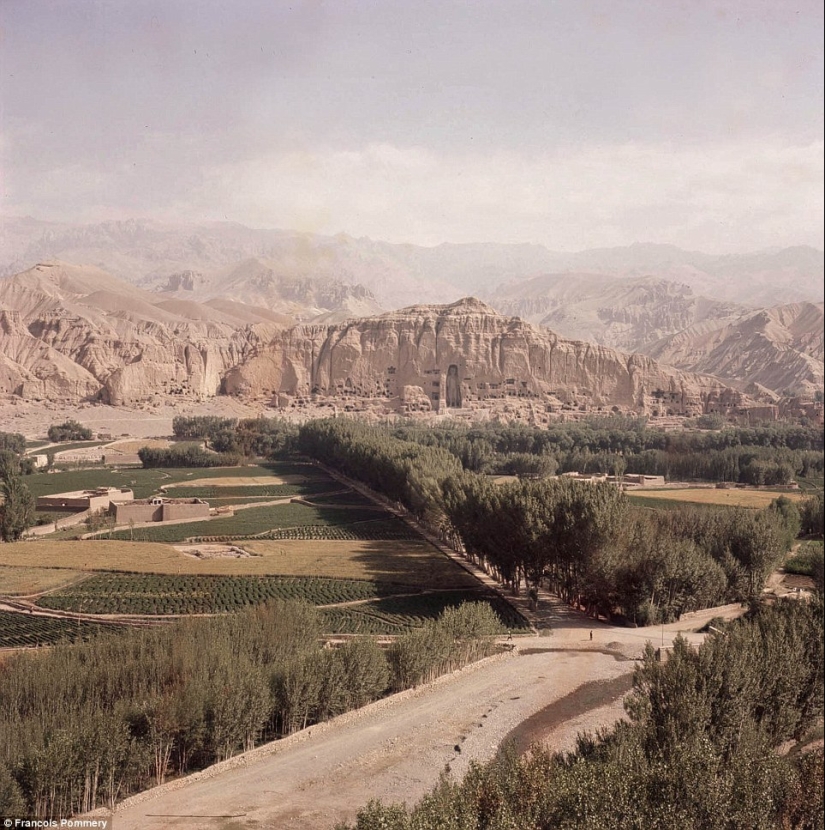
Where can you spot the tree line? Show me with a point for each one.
(249, 437)
(700, 749)
(767, 455)
(87, 724)
(186, 456)
(586, 541)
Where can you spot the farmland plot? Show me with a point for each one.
(26, 630)
(163, 594)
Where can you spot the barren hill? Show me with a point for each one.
(286, 289)
(190, 257)
(75, 333)
(779, 348)
(626, 314)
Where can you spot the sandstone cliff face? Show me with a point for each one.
(462, 355)
(78, 333)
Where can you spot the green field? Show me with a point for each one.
(145, 483)
(375, 530)
(124, 593)
(664, 504)
(273, 491)
(350, 497)
(395, 615)
(26, 630)
(249, 522)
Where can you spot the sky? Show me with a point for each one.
(569, 123)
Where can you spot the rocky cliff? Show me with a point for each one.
(76, 333)
(71, 333)
(465, 356)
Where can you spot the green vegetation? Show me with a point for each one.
(807, 561)
(26, 630)
(812, 515)
(752, 455)
(185, 456)
(145, 483)
(369, 531)
(272, 491)
(132, 709)
(13, 442)
(69, 430)
(395, 615)
(700, 750)
(585, 542)
(17, 507)
(125, 593)
(249, 437)
(253, 521)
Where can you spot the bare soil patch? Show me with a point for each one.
(25, 581)
(733, 497)
(409, 562)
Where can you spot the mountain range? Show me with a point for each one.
(225, 286)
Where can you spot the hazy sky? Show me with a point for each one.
(572, 123)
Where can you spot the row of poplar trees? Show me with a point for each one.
(88, 724)
(587, 542)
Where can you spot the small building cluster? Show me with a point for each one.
(98, 500)
(124, 507)
(159, 510)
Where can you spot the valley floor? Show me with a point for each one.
(548, 689)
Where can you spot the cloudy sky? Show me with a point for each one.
(571, 123)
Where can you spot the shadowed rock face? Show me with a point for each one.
(494, 357)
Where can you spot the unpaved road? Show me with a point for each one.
(550, 689)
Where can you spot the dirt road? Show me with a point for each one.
(550, 689)
(395, 752)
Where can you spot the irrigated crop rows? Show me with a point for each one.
(162, 594)
(21, 630)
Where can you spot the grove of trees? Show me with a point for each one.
(587, 541)
(249, 437)
(17, 506)
(69, 430)
(86, 724)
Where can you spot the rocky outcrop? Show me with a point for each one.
(463, 356)
(75, 333)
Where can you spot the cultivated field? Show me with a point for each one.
(26, 630)
(733, 497)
